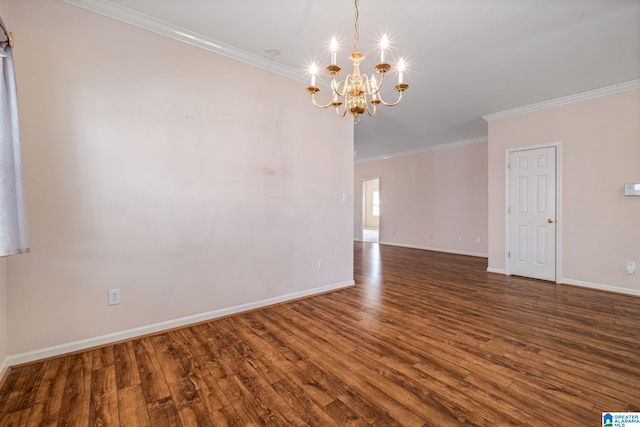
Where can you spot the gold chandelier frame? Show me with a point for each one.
(358, 92)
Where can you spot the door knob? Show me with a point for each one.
(550, 220)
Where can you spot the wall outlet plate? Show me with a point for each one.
(631, 267)
(114, 296)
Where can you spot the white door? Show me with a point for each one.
(532, 213)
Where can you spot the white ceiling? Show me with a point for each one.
(466, 58)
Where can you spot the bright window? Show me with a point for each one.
(376, 203)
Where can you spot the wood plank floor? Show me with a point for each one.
(424, 338)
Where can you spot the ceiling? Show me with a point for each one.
(465, 58)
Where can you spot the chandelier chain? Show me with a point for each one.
(356, 28)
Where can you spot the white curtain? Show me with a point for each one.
(13, 221)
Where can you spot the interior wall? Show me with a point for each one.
(4, 13)
(370, 220)
(433, 200)
(189, 181)
(600, 152)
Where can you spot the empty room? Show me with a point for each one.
(319, 213)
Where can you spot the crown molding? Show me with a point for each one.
(424, 149)
(140, 20)
(608, 90)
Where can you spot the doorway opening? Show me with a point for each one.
(371, 210)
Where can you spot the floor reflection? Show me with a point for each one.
(371, 235)
(372, 265)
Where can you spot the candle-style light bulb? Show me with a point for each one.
(400, 70)
(384, 44)
(313, 69)
(374, 86)
(334, 48)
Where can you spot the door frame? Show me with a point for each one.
(507, 215)
(363, 207)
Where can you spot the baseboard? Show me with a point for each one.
(601, 287)
(427, 248)
(583, 284)
(163, 326)
(4, 369)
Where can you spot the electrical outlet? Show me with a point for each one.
(114, 296)
(321, 264)
(631, 267)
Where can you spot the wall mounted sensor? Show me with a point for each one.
(632, 189)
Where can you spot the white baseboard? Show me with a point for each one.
(583, 284)
(601, 287)
(85, 344)
(4, 365)
(427, 248)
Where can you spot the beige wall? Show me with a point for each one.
(600, 152)
(4, 13)
(433, 200)
(370, 221)
(190, 181)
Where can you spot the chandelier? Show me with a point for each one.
(357, 93)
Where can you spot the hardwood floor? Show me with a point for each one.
(424, 338)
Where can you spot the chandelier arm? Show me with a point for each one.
(391, 104)
(344, 83)
(377, 91)
(371, 111)
(313, 99)
(344, 111)
(366, 83)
